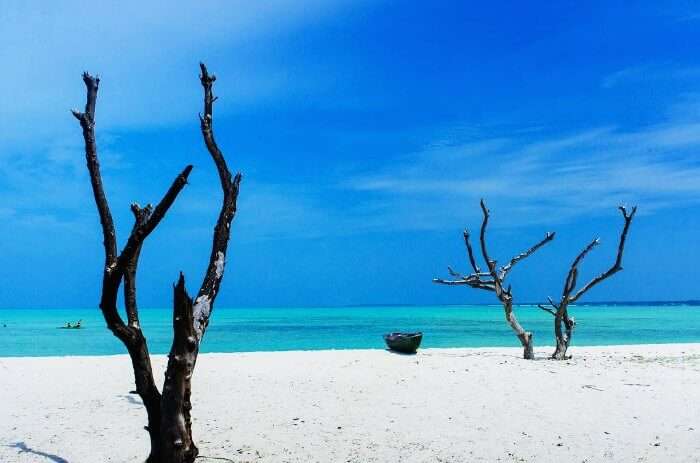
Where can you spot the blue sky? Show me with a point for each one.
(367, 131)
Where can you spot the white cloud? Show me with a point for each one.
(147, 55)
(545, 180)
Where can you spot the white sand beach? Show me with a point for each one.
(608, 404)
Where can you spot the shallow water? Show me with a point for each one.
(34, 332)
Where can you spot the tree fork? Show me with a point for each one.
(493, 279)
(169, 414)
(564, 324)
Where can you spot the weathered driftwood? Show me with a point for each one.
(169, 422)
(563, 323)
(493, 279)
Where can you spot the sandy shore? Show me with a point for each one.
(612, 404)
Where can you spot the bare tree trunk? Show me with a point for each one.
(176, 436)
(563, 332)
(525, 337)
(148, 391)
(169, 414)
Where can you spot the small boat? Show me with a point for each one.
(72, 326)
(406, 343)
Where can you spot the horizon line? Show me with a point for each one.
(690, 302)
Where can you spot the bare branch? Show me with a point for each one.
(453, 273)
(207, 122)
(564, 325)
(484, 286)
(493, 279)
(440, 281)
(110, 284)
(570, 282)
(470, 252)
(506, 268)
(87, 122)
(209, 288)
(141, 215)
(547, 309)
(169, 421)
(140, 233)
(491, 265)
(617, 265)
(168, 199)
(470, 280)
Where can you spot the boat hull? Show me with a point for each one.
(406, 343)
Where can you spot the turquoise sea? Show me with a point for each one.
(34, 332)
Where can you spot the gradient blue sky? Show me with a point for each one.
(367, 132)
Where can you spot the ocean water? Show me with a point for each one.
(34, 332)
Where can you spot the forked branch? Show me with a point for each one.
(493, 280)
(124, 265)
(141, 231)
(617, 265)
(563, 323)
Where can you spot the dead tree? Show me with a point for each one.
(169, 422)
(563, 323)
(493, 279)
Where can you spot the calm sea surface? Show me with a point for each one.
(34, 332)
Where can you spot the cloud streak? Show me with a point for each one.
(545, 180)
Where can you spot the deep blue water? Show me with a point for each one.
(33, 332)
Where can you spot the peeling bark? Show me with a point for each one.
(493, 280)
(169, 414)
(525, 337)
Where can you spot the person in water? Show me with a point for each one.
(68, 325)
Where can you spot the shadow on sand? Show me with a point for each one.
(395, 352)
(22, 447)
